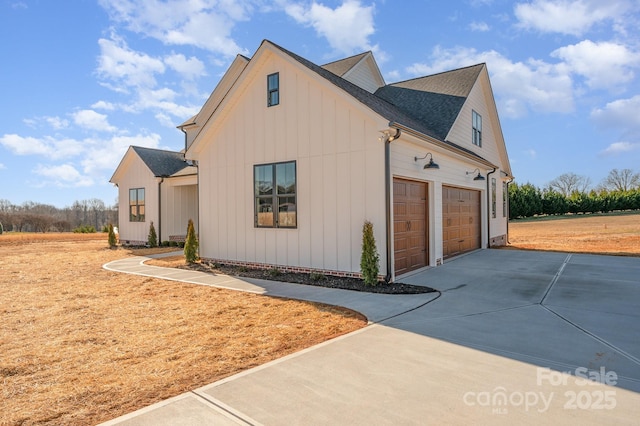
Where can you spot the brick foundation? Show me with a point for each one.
(284, 268)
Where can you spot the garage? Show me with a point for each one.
(410, 225)
(460, 221)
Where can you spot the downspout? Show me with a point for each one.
(489, 207)
(508, 209)
(387, 193)
(160, 210)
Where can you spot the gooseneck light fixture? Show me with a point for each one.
(430, 164)
(478, 176)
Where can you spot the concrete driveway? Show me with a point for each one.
(491, 349)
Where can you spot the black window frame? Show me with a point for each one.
(476, 125)
(273, 89)
(137, 205)
(280, 202)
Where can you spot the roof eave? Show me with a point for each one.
(467, 155)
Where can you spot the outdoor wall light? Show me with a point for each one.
(430, 164)
(478, 176)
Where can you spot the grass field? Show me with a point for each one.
(81, 345)
(617, 234)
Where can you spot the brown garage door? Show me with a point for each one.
(460, 221)
(410, 225)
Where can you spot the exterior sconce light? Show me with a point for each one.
(478, 176)
(430, 164)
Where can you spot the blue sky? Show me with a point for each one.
(81, 80)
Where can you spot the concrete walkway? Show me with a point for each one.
(490, 350)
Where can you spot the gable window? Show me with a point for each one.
(273, 89)
(476, 120)
(136, 205)
(275, 195)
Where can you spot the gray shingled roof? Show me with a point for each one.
(161, 163)
(427, 114)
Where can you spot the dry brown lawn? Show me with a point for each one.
(80, 345)
(608, 234)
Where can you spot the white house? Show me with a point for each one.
(155, 186)
(293, 158)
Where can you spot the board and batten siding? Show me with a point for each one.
(339, 168)
(137, 175)
(179, 204)
(452, 172)
(461, 134)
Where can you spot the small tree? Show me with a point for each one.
(112, 236)
(191, 244)
(369, 260)
(153, 237)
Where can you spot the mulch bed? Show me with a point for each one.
(344, 283)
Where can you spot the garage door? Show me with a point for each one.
(460, 220)
(410, 225)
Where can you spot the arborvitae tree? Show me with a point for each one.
(153, 237)
(191, 244)
(112, 236)
(369, 260)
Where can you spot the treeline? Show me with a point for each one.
(82, 216)
(570, 193)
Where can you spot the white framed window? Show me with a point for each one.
(136, 205)
(273, 89)
(476, 122)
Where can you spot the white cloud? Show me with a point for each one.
(46, 146)
(518, 86)
(189, 68)
(479, 26)
(347, 28)
(531, 153)
(105, 105)
(622, 114)
(105, 154)
(89, 119)
(206, 24)
(57, 123)
(619, 148)
(125, 67)
(574, 17)
(64, 175)
(604, 64)
(2, 166)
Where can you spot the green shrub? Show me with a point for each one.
(191, 244)
(369, 259)
(165, 243)
(152, 240)
(317, 276)
(274, 272)
(85, 229)
(112, 236)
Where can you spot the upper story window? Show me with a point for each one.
(136, 205)
(275, 195)
(476, 121)
(273, 89)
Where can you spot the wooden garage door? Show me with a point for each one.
(410, 225)
(460, 220)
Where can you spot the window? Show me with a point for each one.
(505, 198)
(275, 195)
(477, 128)
(493, 198)
(136, 205)
(273, 89)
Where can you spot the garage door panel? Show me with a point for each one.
(410, 225)
(461, 220)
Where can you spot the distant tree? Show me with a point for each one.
(568, 183)
(524, 200)
(621, 180)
